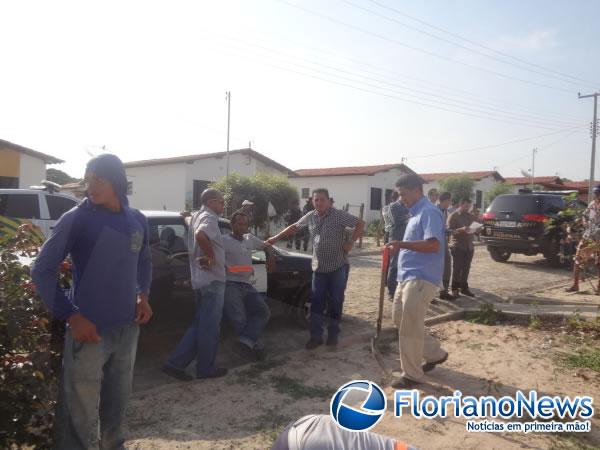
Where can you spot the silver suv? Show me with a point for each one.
(39, 206)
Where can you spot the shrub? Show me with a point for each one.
(28, 365)
(459, 186)
(260, 189)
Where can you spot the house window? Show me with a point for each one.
(376, 199)
(478, 199)
(305, 192)
(9, 183)
(129, 187)
(388, 196)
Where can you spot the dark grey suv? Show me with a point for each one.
(516, 223)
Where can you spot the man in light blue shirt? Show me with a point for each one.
(420, 269)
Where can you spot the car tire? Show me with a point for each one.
(499, 254)
(300, 310)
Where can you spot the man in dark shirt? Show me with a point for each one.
(293, 216)
(461, 246)
(400, 215)
(308, 207)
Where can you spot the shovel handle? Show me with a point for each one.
(385, 262)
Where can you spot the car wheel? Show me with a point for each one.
(499, 254)
(300, 310)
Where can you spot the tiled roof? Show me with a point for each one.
(189, 158)
(515, 181)
(429, 177)
(355, 170)
(48, 159)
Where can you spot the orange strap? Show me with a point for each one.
(400, 446)
(239, 269)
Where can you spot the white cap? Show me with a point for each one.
(247, 203)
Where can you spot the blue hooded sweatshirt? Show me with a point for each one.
(110, 255)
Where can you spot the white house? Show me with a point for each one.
(483, 182)
(21, 167)
(370, 186)
(176, 183)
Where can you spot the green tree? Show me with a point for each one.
(58, 176)
(260, 189)
(498, 189)
(460, 186)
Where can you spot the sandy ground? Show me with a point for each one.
(247, 408)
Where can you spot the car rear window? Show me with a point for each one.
(527, 204)
(58, 205)
(20, 206)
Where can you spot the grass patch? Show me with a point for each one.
(584, 359)
(534, 322)
(487, 315)
(295, 389)
(588, 327)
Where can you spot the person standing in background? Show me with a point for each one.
(443, 204)
(461, 246)
(400, 215)
(433, 195)
(294, 215)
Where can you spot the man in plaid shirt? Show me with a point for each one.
(327, 227)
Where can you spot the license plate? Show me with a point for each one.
(500, 234)
(506, 224)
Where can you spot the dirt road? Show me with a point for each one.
(248, 407)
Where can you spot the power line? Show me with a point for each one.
(417, 49)
(485, 147)
(464, 47)
(470, 41)
(453, 102)
(545, 147)
(488, 117)
(380, 71)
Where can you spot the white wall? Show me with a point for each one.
(353, 189)
(172, 185)
(32, 171)
(158, 187)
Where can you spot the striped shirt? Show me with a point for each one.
(328, 237)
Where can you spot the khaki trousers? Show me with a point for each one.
(411, 302)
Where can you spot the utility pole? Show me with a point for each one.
(594, 133)
(533, 167)
(228, 98)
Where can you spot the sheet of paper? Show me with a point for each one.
(474, 227)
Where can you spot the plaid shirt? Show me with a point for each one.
(328, 237)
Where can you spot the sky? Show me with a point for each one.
(443, 86)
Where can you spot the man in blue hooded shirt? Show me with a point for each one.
(108, 245)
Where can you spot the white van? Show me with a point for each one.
(41, 207)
